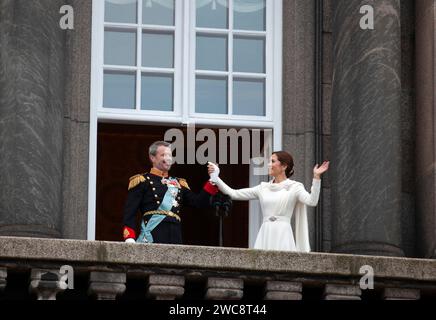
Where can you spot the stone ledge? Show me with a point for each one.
(228, 259)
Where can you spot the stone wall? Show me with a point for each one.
(298, 91)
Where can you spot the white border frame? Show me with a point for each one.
(184, 96)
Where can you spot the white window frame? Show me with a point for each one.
(270, 34)
(184, 89)
(136, 115)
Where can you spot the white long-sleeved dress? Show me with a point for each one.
(279, 202)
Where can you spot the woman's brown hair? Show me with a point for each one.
(286, 159)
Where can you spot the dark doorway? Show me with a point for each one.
(122, 152)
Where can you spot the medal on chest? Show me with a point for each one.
(173, 189)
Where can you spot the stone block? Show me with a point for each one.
(341, 297)
(342, 292)
(106, 285)
(283, 290)
(106, 290)
(167, 280)
(281, 295)
(110, 277)
(401, 294)
(225, 283)
(223, 294)
(165, 287)
(284, 286)
(224, 289)
(162, 292)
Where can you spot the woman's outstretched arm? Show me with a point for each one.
(240, 194)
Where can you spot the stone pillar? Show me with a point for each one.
(3, 279)
(224, 289)
(401, 294)
(76, 123)
(106, 285)
(366, 145)
(165, 287)
(342, 292)
(283, 290)
(426, 127)
(46, 284)
(31, 116)
(299, 93)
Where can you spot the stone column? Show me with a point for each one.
(283, 290)
(224, 289)
(426, 127)
(31, 96)
(165, 287)
(366, 145)
(299, 93)
(342, 292)
(401, 294)
(106, 285)
(46, 284)
(76, 123)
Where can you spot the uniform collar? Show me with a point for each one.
(159, 173)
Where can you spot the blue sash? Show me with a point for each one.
(166, 205)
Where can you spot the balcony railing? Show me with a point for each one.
(33, 268)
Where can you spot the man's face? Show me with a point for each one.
(163, 159)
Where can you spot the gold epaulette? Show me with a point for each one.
(135, 180)
(183, 183)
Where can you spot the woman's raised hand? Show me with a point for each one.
(319, 170)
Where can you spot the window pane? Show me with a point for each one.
(249, 54)
(212, 14)
(159, 12)
(157, 92)
(211, 52)
(119, 90)
(249, 97)
(120, 48)
(249, 15)
(211, 95)
(158, 49)
(123, 11)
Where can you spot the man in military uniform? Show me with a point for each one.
(160, 198)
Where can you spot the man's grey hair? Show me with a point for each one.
(152, 150)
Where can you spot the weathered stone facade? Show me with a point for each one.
(370, 110)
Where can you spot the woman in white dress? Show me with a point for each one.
(280, 199)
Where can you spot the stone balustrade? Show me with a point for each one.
(31, 268)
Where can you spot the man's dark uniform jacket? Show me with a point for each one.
(159, 199)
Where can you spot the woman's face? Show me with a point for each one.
(275, 167)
